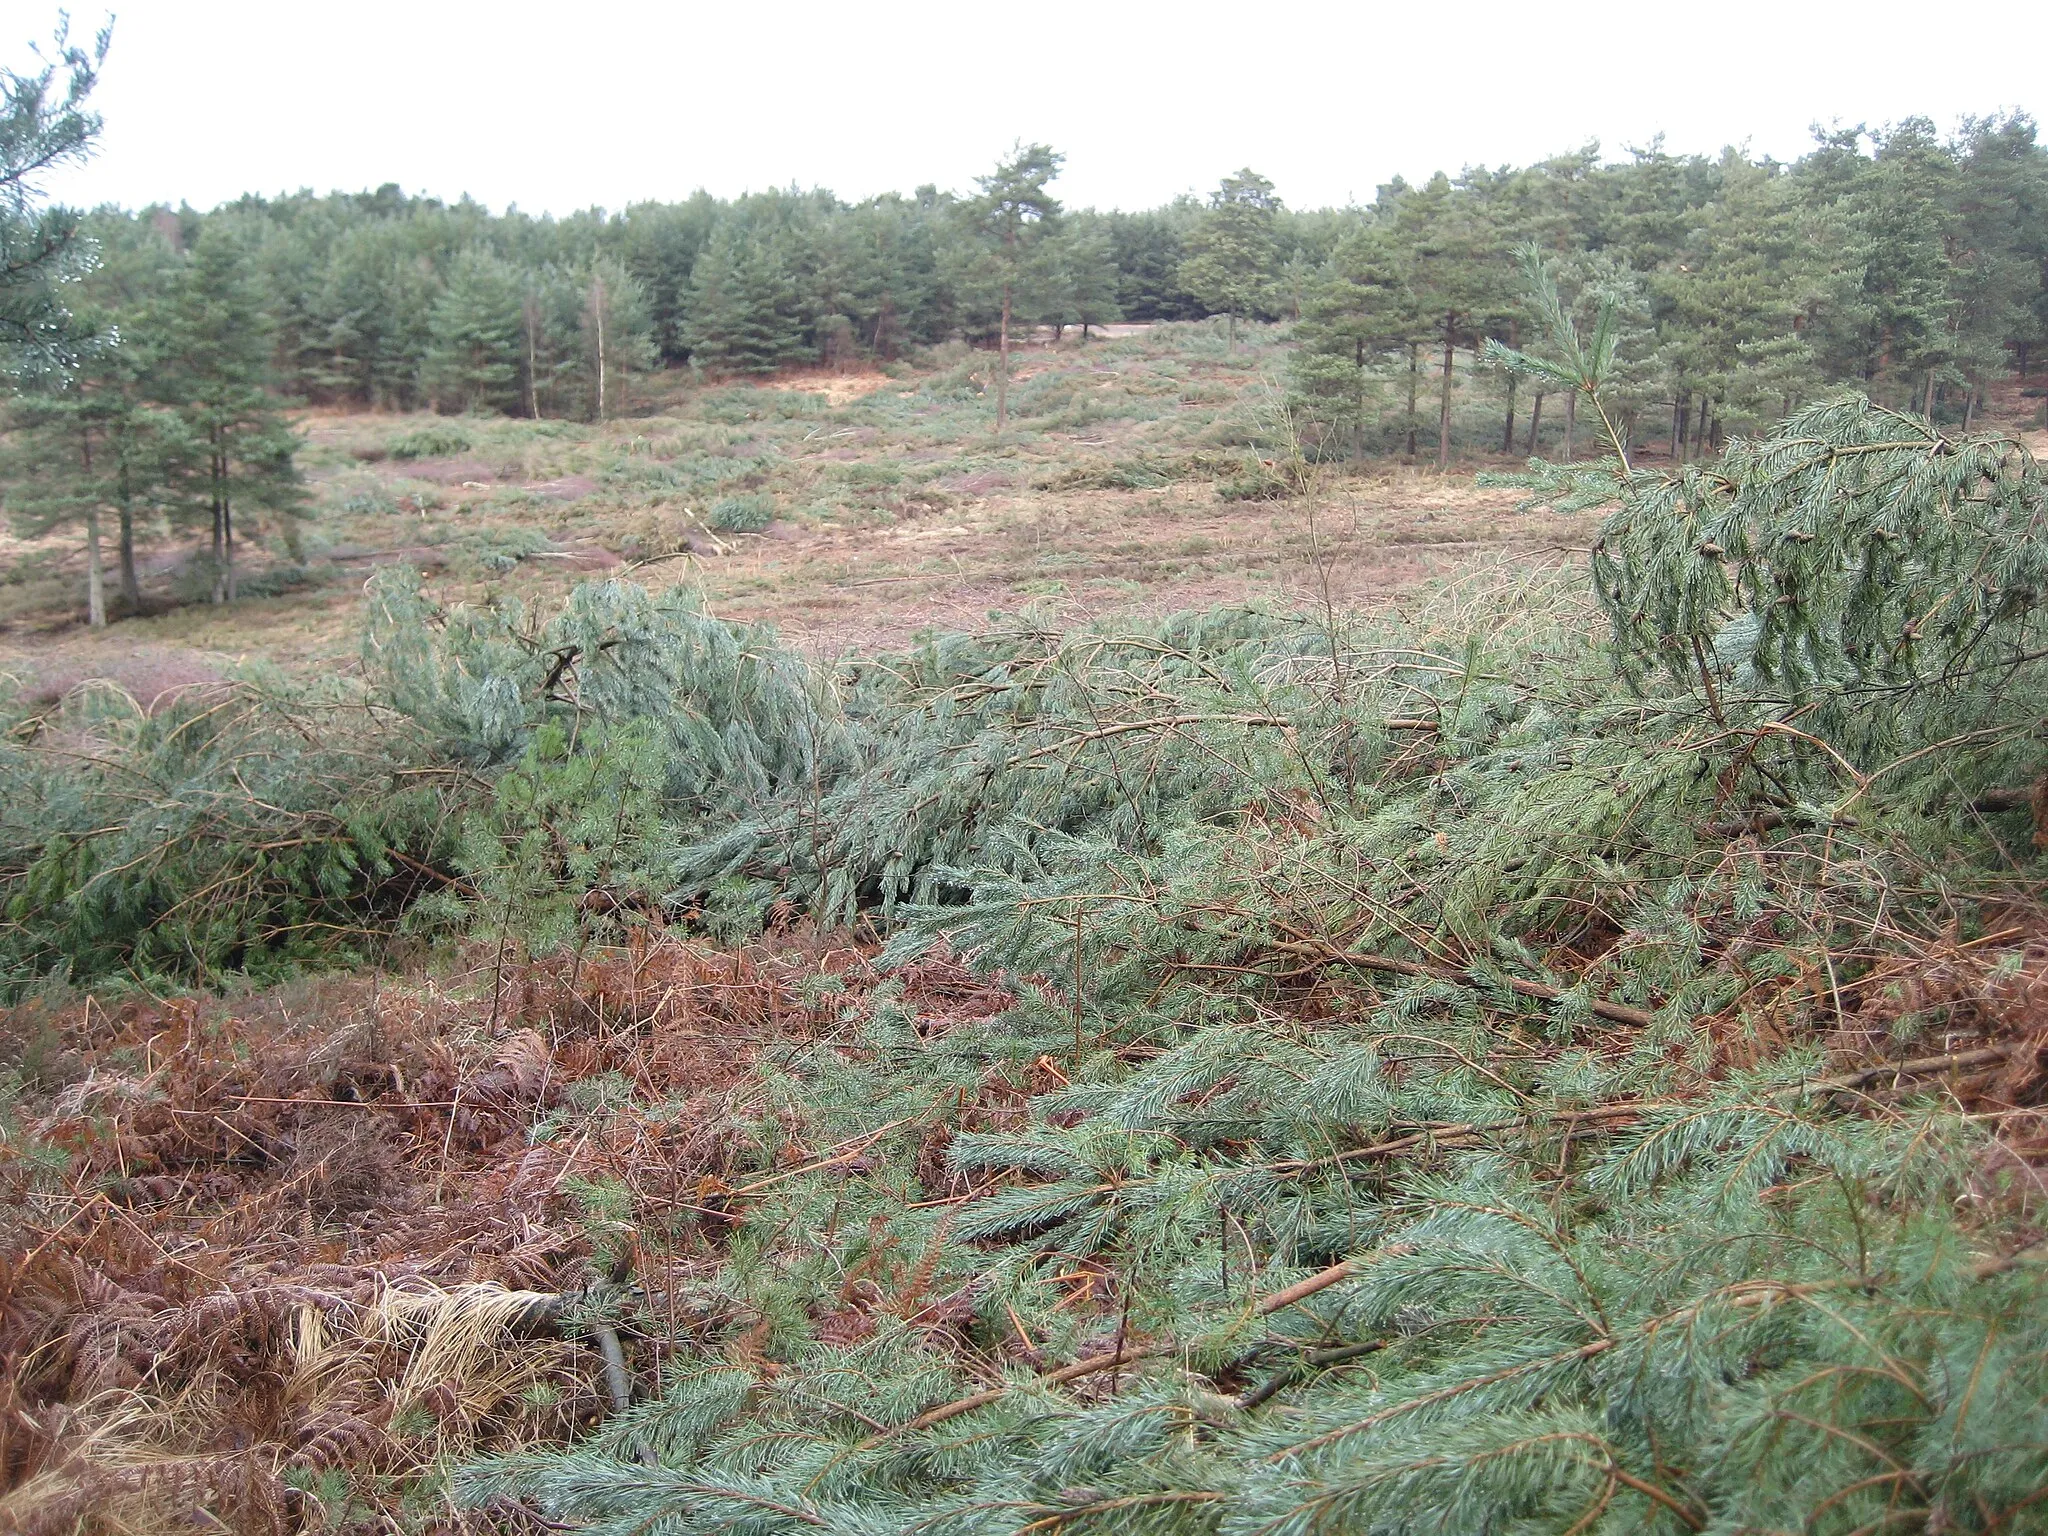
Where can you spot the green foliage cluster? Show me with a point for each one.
(1454, 967)
(45, 123)
(232, 829)
(1900, 261)
(746, 513)
(432, 442)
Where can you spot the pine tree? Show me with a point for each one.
(86, 446)
(1150, 248)
(1010, 217)
(474, 331)
(216, 366)
(659, 243)
(1233, 254)
(744, 314)
(615, 333)
(1358, 311)
(110, 393)
(1081, 280)
(2001, 230)
(375, 320)
(1762, 274)
(1456, 257)
(44, 124)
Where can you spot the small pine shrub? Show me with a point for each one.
(497, 550)
(370, 503)
(746, 513)
(1257, 484)
(437, 441)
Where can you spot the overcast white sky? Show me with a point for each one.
(560, 106)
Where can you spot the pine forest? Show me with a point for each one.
(959, 865)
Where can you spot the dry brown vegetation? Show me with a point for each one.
(351, 1222)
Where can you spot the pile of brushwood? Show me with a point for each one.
(1566, 1058)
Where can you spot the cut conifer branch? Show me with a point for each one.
(1322, 954)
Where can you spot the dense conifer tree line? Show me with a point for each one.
(1912, 264)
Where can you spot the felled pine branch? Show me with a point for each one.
(1321, 953)
(1469, 1132)
(1092, 1365)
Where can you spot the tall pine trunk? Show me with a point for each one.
(597, 316)
(531, 314)
(1003, 365)
(1681, 408)
(95, 572)
(223, 523)
(1699, 433)
(1571, 422)
(1443, 407)
(1358, 402)
(1507, 432)
(131, 589)
(1535, 422)
(1414, 381)
(219, 552)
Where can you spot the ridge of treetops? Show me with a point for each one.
(1909, 262)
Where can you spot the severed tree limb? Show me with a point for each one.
(1466, 1133)
(1470, 1131)
(1273, 1385)
(1266, 1306)
(1770, 818)
(1919, 1066)
(1322, 953)
(2003, 800)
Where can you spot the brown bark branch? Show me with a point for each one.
(1330, 954)
(1300, 1291)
